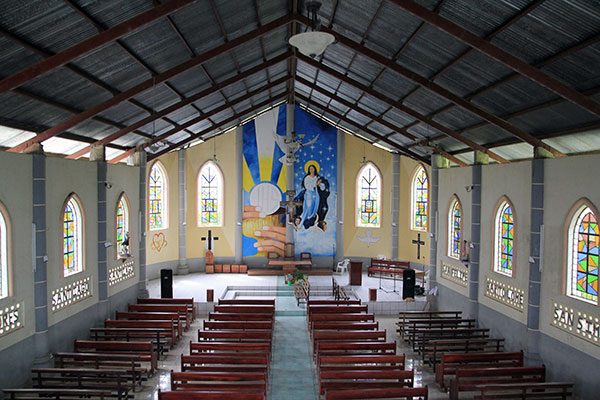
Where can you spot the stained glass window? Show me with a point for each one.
(584, 242)
(123, 227)
(210, 195)
(3, 257)
(454, 229)
(420, 187)
(157, 198)
(504, 228)
(368, 197)
(72, 238)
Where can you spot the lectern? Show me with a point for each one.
(356, 273)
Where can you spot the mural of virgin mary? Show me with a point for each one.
(313, 196)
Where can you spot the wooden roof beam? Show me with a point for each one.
(500, 55)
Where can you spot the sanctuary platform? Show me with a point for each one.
(228, 286)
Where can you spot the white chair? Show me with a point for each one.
(342, 266)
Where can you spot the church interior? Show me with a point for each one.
(292, 199)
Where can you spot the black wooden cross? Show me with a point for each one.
(210, 239)
(419, 243)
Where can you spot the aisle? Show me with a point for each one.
(292, 373)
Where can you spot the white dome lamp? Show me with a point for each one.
(312, 43)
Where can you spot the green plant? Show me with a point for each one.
(298, 275)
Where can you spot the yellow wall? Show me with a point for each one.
(170, 251)
(355, 149)
(226, 159)
(406, 249)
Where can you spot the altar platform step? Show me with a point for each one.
(279, 272)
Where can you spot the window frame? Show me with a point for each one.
(573, 217)
(165, 200)
(122, 196)
(220, 198)
(501, 205)
(6, 253)
(79, 244)
(358, 197)
(413, 199)
(450, 227)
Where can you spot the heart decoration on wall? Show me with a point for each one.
(159, 241)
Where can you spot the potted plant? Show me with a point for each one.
(298, 276)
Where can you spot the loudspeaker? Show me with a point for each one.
(166, 283)
(408, 283)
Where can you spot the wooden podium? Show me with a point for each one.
(356, 273)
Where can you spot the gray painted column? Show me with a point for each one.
(475, 241)
(339, 240)
(182, 268)
(102, 238)
(535, 273)
(140, 161)
(239, 197)
(395, 204)
(41, 341)
(433, 222)
(289, 133)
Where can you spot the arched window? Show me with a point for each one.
(582, 255)
(454, 228)
(4, 256)
(368, 197)
(122, 227)
(157, 197)
(210, 195)
(420, 200)
(72, 237)
(504, 237)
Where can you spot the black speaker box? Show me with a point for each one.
(166, 283)
(408, 283)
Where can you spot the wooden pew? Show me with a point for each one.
(345, 326)
(357, 379)
(391, 393)
(406, 316)
(141, 316)
(545, 390)
(245, 309)
(319, 337)
(469, 379)
(328, 309)
(257, 302)
(354, 348)
(181, 310)
(244, 347)
(433, 351)
(260, 336)
(420, 338)
(168, 328)
(363, 362)
(101, 360)
(225, 316)
(244, 382)
(438, 323)
(207, 395)
(226, 362)
(144, 351)
(333, 302)
(189, 302)
(118, 382)
(341, 317)
(54, 394)
(158, 338)
(238, 325)
(450, 362)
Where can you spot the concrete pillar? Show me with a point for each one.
(239, 198)
(339, 232)
(475, 241)
(139, 160)
(41, 341)
(433, 223)
(182, 268)
(395, 206)
(102, 239)
(540, 152)
(439, 161)
(36, 148)
(289, 134)
(535, 267)
(98, 153)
